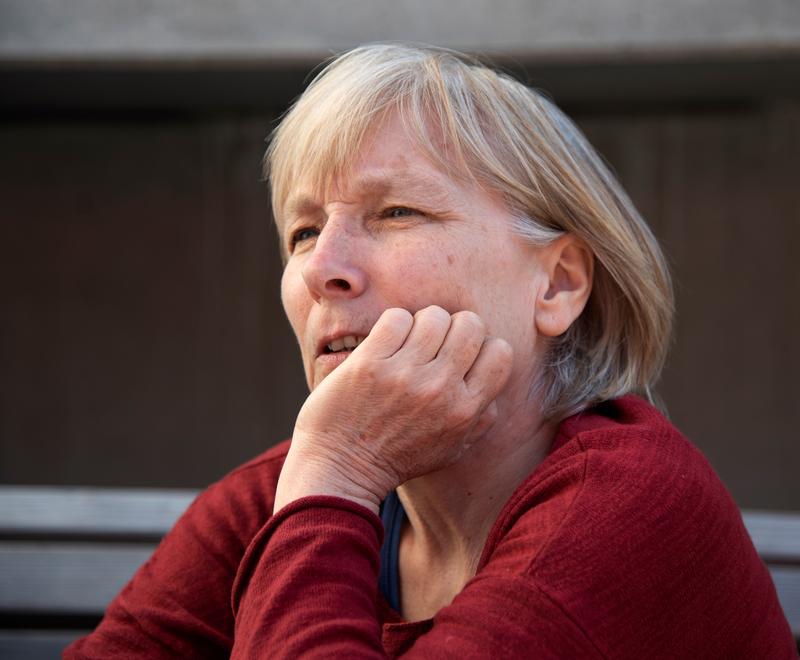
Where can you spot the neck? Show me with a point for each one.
(451, 512)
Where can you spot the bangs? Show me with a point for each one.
(316, 143)
(324, 131)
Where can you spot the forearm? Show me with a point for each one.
(307, 585)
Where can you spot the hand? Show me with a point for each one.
(409, 400)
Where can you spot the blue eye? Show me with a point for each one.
(303, 235)
(399, 212)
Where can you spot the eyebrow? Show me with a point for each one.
(381, 185)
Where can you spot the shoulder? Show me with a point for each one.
(204, 548)
(266, 466)
(623, 475)
(620, 464)
(225, 517)
(636, 464)
(626, 526)
(179, 599)
(242, 499)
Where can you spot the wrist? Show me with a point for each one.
(307, 473)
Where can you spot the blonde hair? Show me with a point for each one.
(508, 138)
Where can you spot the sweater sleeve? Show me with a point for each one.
(177, 605)
(307, 587)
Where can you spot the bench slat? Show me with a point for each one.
(37, 644)
(91, 511)
(81, 579)
(74, 578)
(787, 584)
(775, 534)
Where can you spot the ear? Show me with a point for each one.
(568, 268)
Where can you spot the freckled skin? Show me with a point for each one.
(396, 262)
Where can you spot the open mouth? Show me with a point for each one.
(343, 344)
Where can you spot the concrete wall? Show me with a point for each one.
(251, 29)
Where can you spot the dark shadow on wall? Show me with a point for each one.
(143, 342)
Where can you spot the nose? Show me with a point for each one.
(335, 268)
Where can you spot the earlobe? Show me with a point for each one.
(569, 267)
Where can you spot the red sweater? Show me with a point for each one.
(623, 543)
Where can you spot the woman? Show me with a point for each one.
(475, 300)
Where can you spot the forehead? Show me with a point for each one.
(389, 163)
(401, 186)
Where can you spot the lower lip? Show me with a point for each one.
(327, 362)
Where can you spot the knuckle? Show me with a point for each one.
(462, 412)
(469, 317)
(433, 314)
(431, 387)
(503, 350)
(461, 420)
(397, 380)
(471, 322)
(396, 317)
(395, 312)
(489, 416)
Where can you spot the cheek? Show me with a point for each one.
(439, 280)
(295, 299)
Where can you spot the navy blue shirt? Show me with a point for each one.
(392, 517)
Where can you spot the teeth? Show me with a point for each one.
(349, 342)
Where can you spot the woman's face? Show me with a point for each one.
(397, 232)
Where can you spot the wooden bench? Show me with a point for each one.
(65, 552)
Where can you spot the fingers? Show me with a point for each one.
(491, 369)
(457, 343)
(463, 342)
(425, 339)
(389, 333)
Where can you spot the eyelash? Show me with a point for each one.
(297, 236)
(387, 213)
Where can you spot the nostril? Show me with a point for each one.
(344, 285)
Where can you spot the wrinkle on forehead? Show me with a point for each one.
(403, 186)
(389, 177)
